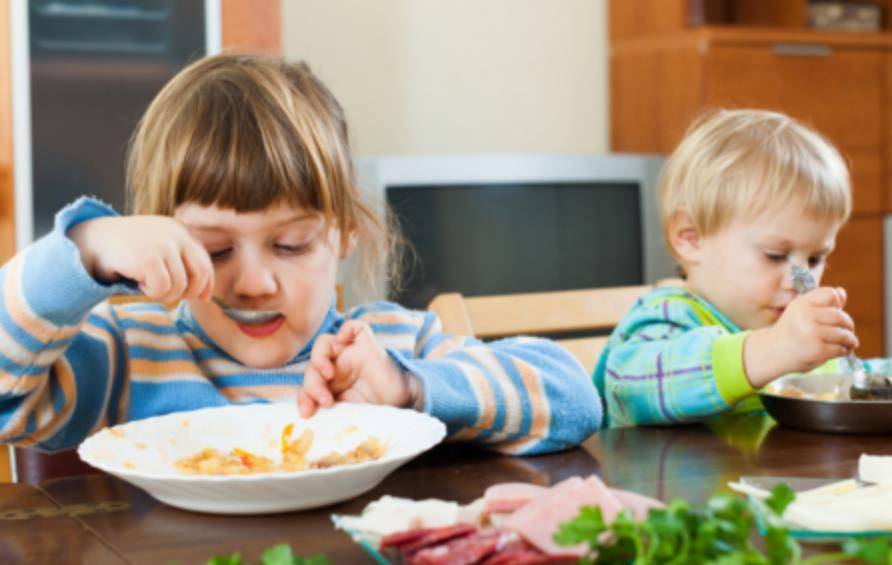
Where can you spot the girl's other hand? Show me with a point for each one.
(813, 329)
(157, 252)
(351, 366)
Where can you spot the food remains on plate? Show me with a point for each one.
(788, 390)
(294, 457)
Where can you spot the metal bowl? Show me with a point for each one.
(832, 416)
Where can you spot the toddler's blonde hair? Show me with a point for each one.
(738, 163)
(247, 131)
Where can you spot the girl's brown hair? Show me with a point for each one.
(247, 131)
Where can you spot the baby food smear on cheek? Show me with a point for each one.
(262, 330)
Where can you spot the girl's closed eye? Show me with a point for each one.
(294, 242)
(294, 249)
(220, 254)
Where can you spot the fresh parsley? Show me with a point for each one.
(718, 532)
(277, 555)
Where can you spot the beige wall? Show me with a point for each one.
(460, 76)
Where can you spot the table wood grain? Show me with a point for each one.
(34, 529)
(118, 521)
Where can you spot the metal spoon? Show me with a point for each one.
(864, 385)
(246, 316)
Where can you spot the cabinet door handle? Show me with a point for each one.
(801, 50)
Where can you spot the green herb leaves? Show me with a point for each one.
(716, 533)
(781, 497)
(276, 555)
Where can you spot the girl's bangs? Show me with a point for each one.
(243, 159)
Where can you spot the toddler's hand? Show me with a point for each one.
(813, 329)
(157, 252)
(353, 367)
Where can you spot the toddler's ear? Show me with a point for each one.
(684, 237)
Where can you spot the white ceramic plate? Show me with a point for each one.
(143, 453)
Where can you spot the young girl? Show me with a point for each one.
(747, 195)
(240, 172)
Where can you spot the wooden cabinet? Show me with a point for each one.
(669, 66)
(856, 265)
(837, 91)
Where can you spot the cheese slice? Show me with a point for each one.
(875, 468)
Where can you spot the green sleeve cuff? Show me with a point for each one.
(727, 366)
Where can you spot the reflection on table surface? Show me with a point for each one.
(102, 519)
(696, 461)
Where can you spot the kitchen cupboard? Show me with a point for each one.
(672, 60)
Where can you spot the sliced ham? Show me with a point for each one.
(639, 504)
(505, 498)
(465, 550)
(430, 538)
(399, 539)
(528, 517)
(508, 497)
(530, 556)
(538, 520)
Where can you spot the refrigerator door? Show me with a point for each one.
(94, 67)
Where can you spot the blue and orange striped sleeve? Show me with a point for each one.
(57, 343)
(520, 395)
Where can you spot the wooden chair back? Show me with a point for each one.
(556, 313)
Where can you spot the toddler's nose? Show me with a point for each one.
(787, 283)
(788, 277)
(802, 279)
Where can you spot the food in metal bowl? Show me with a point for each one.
(821, 403)
(790, 390)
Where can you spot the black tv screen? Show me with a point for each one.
(507, 238)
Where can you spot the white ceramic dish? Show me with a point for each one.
(143, 453)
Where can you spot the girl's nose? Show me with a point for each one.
(254, 277)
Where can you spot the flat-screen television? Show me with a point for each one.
(498, 224)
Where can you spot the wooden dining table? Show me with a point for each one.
(100, 519)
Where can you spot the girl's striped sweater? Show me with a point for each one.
(72, 362)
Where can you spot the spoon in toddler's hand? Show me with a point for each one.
(246, 316)
(864, 385)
